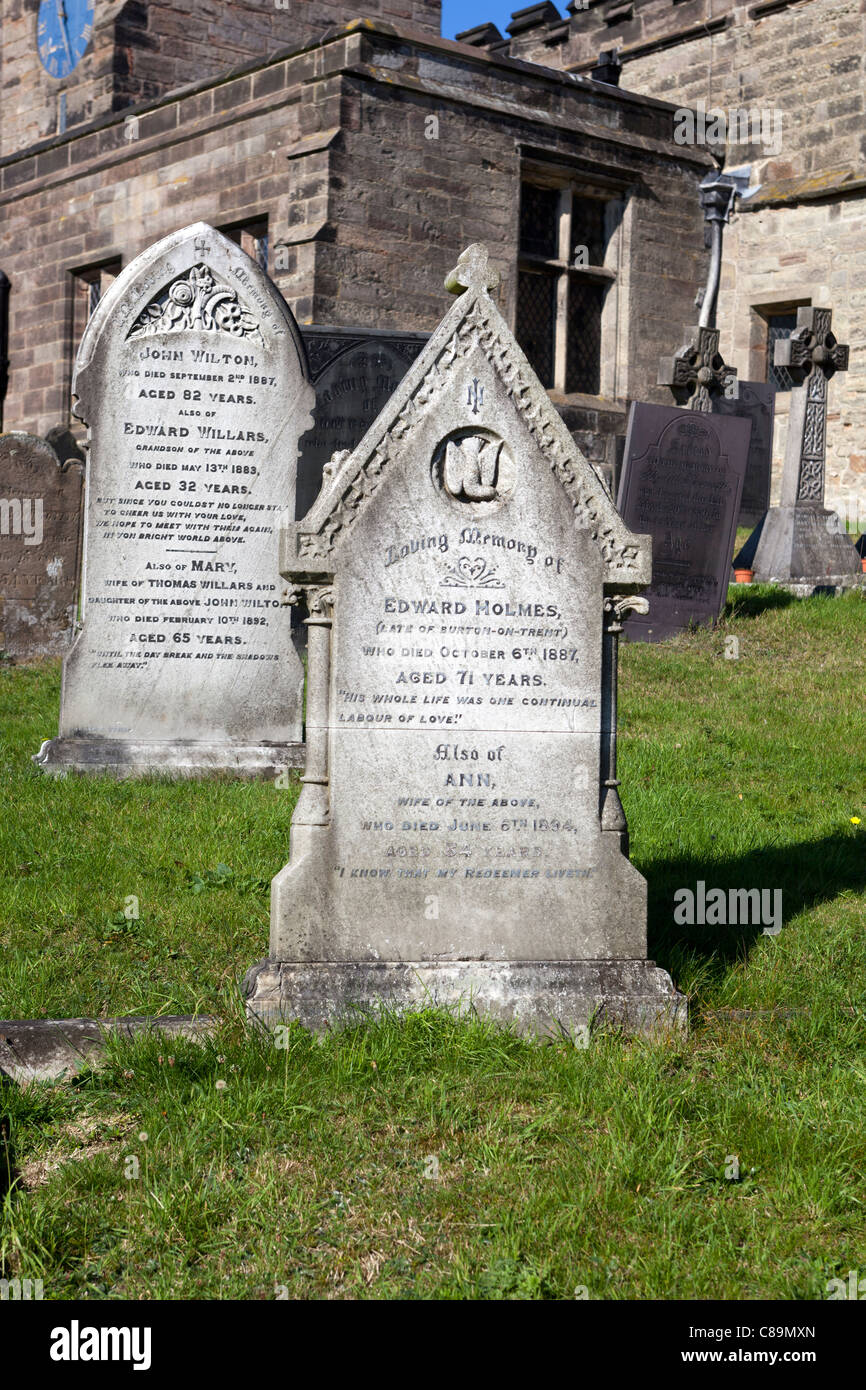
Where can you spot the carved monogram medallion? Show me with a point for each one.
(474, 467)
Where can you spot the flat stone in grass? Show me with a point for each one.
(460, 836)
(682, 481)
(44, 1049)
(192, 379)
(40, 547)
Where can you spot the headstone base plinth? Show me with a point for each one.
(547, 998)
(800, 545)
(122, 759)
(831, 586)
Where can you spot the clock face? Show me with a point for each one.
(64, 31)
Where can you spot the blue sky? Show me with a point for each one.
(465, 14)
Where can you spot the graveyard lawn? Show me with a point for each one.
(437, 1158)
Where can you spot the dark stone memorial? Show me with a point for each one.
(40, 547)
(682, 482)
(354, 372)
(755, 401)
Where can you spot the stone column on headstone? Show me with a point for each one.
(616, 606)
(312, 808)
(801, 541)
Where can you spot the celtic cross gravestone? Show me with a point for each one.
(801, 540)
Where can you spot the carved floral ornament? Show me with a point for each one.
(479, 330)
(618, 606)
(196, 300)
(471, 573)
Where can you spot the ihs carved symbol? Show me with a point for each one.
(475, 396)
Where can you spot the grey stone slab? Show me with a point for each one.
(354, 373)
(181, 758)
(830, 587)
(45, 1049)
(755, 401)
(193, 382)
(549, 999)
(682, 481)
(40, 547)
(465, 575)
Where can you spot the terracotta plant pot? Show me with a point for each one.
(743, 576)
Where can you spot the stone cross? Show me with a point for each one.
(811, 355)
(473, 271)
(697, 372)
(801, 540)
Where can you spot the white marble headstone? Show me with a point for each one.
(192, 379)
(459, 832)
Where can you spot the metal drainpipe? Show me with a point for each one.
(4, 342)
(717, 199)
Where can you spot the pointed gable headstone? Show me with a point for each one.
(460, 834)
(192, 379)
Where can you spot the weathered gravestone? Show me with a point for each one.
(697, 373)
(40, 523)
(755, 401)
(192, 379)
(801, 540)
(354, 372)
(682, 481)
(459, 834)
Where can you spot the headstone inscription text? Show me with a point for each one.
(460, 831)
(40, 547)
(192, 379)
(682, 481)
(354, 373)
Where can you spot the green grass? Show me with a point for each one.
(313, 1169)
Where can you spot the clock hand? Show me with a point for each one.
(61, 15)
